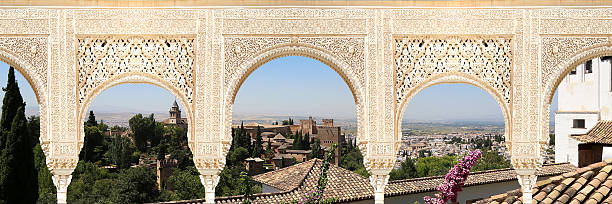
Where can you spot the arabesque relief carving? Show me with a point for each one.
(385, 55)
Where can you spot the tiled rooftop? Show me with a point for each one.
(295, 181)
(601, 133)
(590, 184)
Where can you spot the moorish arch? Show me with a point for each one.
(483, 61)
(28, 55)
(456, 78)
(342, 54)
(134, 78)
(560, 56)
(106, 61)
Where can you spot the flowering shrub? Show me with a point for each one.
(454, 179)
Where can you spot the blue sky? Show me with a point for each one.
(298, 86)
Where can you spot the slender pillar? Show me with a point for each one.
(61, 179)
(379, 182)
(527, 179)
(210, 181)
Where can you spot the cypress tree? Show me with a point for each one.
(91, 121)
(306, 142)
(258, 146)
(12, 101)
(20, 180)
(297, 142)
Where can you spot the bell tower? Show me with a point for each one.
(175, 114)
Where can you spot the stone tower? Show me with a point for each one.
(175, 114)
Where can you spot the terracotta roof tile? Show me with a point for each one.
(601, 133)
(295, 181)
(591, 184)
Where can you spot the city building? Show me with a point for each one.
(584, 100)
(328, 134)
(175, 117)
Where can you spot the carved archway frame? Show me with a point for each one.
(482, 61)
(343, 54)
(560, 55)
(28, 55)
(104, 61)
(450, 78)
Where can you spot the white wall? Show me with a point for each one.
(564, 121)
(581, 96)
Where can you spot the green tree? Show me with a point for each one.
(120, 152)
(143, 130)
(12, 101)
(316, 150)
(434, 166)
(93, 146)
(91, 121)
(137, 185)
(258, 146)
(19, 180)
(185, 184)
(305, 144)
(46, 189)
(407, 170)
(491, 160)
(352, 159)
(297, 142)
(83, 188)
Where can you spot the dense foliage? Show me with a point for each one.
(229, 184)
(352, 159)
(437, 166)
(135, 178)
(18, 173)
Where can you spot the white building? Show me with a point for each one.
(585, 98)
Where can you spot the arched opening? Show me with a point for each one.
(442, 120)
(25, 174)
(286, 115)
(134, 145)
(579, 100)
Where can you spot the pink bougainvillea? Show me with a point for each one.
(454, 180)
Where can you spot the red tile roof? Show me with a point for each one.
(601, 133)
(590, 184)
(295, 181)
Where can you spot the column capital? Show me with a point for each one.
(379, 182)
(210, 182)
(527, 179)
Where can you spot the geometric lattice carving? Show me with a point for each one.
(168, 59)
(421, 58)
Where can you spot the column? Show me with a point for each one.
(61, 181)
(527, 179)
(61, 168)
(379, 182)
(210, 179)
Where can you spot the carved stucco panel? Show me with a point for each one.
(245, 54)
(420, 58)
(170, 59)
(557, 50)
(135, 21)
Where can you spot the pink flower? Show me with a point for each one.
(454, 179)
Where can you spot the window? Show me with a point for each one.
(578, 123)
(588, 67)
(573, 72)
